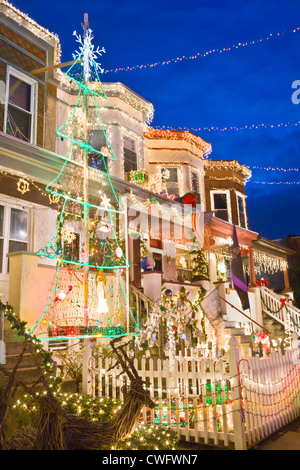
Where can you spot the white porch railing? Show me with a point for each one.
(281, 310)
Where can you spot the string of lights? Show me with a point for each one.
(201, 55)
(274, 182)
(232, 128)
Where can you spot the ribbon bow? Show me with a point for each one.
(282, 302)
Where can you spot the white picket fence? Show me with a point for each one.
(234, 404)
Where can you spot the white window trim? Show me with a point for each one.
(212, 202)
(6, 233)
(243, 196)
(33, 100)
(134, 138)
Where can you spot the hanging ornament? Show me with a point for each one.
(147, 263)
(168, 292)
(103, 231)
(23, 186)
(100, 287)
(119, 252)
(106, 152)
(62, 295)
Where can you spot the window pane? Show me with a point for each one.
(240, 204)
(96, 139)
(220, 201)
(1, 220)
(18, 123)
(19, 93)
(222, 214)
(195, 182)
(129, 144)
(16, 246)
(130, 160)
(242, 220)
(173, 178)
(97, 161)
(18, 225)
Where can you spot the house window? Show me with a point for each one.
(220, 205)
(196, 186)
(241, 211)
(172, 183)
(13, 233)
(71, 250)
(18, 230)
(97, 140)
(20, 113)
(129, 154)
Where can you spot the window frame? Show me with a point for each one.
(33, 101)
(168, 182)
(197, 175)
(135, 141)
(243, 197)
(6, 234)
(228, 200)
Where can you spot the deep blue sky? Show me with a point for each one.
(248, 85)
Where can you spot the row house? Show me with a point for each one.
(163, 176)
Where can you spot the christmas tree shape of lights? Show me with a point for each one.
(88, 297)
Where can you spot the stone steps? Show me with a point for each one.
(27, 371)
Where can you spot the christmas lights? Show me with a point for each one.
(199, 55)
(231, 128)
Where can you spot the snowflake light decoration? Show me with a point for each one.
(68, 234)
(88, 54)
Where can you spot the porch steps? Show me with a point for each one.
(27, 371)
(275, 327)
(239, 333)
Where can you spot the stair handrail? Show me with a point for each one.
(285, 307)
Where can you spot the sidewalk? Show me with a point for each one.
(287, 438)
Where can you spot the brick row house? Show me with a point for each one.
(154, 171)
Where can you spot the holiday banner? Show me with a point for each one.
(211, 306)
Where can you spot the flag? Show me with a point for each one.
(200, 226)
(211, 306)
(237, 272)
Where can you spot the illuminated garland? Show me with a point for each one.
(201, 55)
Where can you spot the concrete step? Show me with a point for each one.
(27, 375)
(27, 361)
(235, 331)
(14, 348)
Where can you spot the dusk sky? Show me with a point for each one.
(244, 86)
